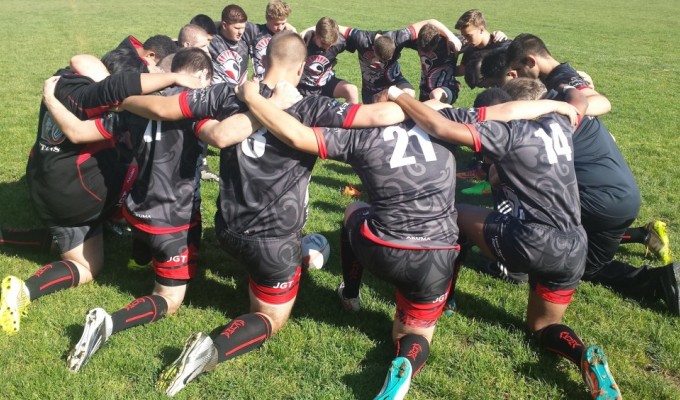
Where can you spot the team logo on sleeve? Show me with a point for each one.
(50, 133)
(229, 63)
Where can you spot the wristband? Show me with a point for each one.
(567, 87)
(393, 92)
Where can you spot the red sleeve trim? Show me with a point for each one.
(321, 142)
(481, 114)
(555, 296)
(135, 42)
(351, 114)
(477, 146)
(414, 34)
(346, 32)
(100, 127)
(199, 125)
(184, 104)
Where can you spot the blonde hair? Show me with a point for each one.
(277, 9)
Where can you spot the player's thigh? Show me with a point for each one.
(352, 208)
(471, 220)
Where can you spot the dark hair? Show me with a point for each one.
(495, 65)
(233, 14)
(205, 22)
(491, 97)
(525, 45)
(161, 45)
(123, 59)
(191, 59)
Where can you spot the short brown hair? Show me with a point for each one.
(384, 48)
(233, 14)
(428, 38)
(471, 17)
(525, 89)
(277, 9)
(327, 31)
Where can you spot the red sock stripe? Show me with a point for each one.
(260, 338)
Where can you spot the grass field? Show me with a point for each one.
(628, 47)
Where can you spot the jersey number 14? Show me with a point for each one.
(556, 144)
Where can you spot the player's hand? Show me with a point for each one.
(48, 88)
(285, 95)
(247, 88)
(499, 36)
(570, 111)
(454, 46)
(587, 78)
(189, 81)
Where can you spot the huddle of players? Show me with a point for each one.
(407, 235)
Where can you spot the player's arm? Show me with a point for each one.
(229, 131)
(530, 109)
(576, 98)
(597, 103)
(290, 27)
(431, 121)
(378, 114)
(304, 32)
(163, 108)
(443, 30)
(92, 67)
(284, 126)
(74, 129)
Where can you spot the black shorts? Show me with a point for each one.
(553, 259)
(273, 263)
(69, 237)
(367, 94)
(174, 256)
(420, 276)
(326, 90)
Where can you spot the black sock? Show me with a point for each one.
(37, 239)
(416, 349)
(560, 339)
(351, 269)
(241, 335)
(52, 277)
(141, 311)
(634, 235)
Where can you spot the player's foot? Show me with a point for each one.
(450, 307)
(199, 355)
(657, 240)
(15, 298)
(476, 172)
(670, 282)
(479, 189)
(398, 380)
(498, 270)
(596, 374)
(208, 175)
(349, 304)
(96, 332)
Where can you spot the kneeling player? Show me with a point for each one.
(544, 237)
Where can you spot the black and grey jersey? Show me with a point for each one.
(376, 75)
(534, 160)
(410, 180)
(319, 63)
(230, 60)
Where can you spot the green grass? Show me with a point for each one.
(629, 47)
